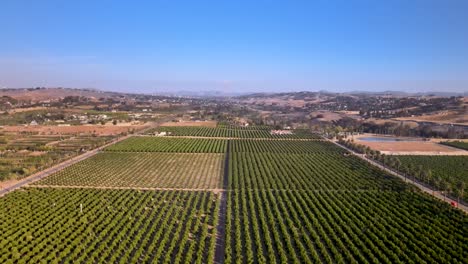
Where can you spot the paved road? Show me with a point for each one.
(420, 186)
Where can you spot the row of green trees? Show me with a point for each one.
(416, 172)
(114, 226)
(309, 226)
(162, 144)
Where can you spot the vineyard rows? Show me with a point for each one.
(152, 170)
(283, 146)
(288, 201)
(230, 133)
(157, 144)
(265, 226)
(287, 205)
(115, 226)
(238, 127)
(323, 171)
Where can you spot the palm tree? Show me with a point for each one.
(410, 170)
(429, 175)
(397, 163)
(461, 189)
(448, 188)
(419, 171)
(406, 171)
(390, 162)
(423, 176)
(442, 185)
(437, 183)
(382, 158)
(377, 155)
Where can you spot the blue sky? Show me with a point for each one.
(151, 46)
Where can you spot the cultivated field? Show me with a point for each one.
(328, 207)
(288, 226)
(115, 226)
(323, 171)
(230, 133)
(143, 170)
(22, 154)
(283, 146)
(159, 144)
(239, 200)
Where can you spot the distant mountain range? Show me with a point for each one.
(400, 93)
(356, 93)
(217, 93)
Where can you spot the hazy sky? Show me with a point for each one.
(233, 45)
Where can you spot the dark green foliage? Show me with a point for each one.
(160, 144)
(116, 226)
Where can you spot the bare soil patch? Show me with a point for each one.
(37, 153)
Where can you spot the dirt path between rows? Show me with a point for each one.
(221, 227)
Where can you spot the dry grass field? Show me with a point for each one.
(442, 117)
